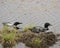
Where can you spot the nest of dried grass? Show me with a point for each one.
(37, 40)
(33, 40)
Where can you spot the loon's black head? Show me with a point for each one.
(17, 23)
(46, 25)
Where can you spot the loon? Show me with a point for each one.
(12, 24)
(38, 29)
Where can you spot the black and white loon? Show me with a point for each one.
(38, 29)
(12, 24)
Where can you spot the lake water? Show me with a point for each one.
(35, 12)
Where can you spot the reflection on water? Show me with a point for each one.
(21, 45)
(1, 46)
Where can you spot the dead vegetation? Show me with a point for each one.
(8, 38)
(37, 40)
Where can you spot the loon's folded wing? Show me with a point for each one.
(37, 29)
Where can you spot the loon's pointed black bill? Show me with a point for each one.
(50, 24)
(20, 23)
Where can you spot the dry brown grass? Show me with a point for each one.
(37, 40)
(31, 39)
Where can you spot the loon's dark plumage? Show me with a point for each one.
(17, 23)
(38, 29)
